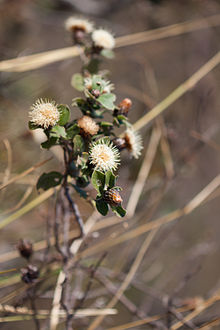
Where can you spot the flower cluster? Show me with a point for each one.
(91, 146)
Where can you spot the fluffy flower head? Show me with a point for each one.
(88, 125)
(97, 82)
(104, 155)
(133, 142)
(77, 23)
(44, 113)
(103, 39)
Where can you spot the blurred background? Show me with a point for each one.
(181, 264)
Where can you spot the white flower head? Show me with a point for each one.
(88, 125)
(133, 142)
(97, 82)
(103, 39)
(104, 155)
(44, 113)
(77, 23)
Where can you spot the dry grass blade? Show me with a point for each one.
(28, 207)
(197, 311)
(30, 62)
(26, 63)
(178, 92)
(9, 155)
(144, 172)
(21, 175)
(27, 193)
(168, 31)
(54, 317)
(194, 203)
(127, 279)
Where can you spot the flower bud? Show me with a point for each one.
(25, 248)
(123, 107)
(120, 143)
(29, 274)
(112, 197)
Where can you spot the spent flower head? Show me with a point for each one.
(103, 39)
(76, 23)
(88, 125)
(104, 155)
(133, 142)
(44, 113)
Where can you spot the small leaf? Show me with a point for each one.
(49, 143)
(33, 126)
(78, 144)
(72, 131)
(119, 211)
(77, 82)
(64, 114)
(49, 180)
(108, 53)
(107, 101)
(106, 123)
(102, 206)
(110, 179)
(58, 131)
(98, 181)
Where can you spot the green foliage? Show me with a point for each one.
(108, 53)
(119, 211)
(77, 82)
(78, 142)
(58, 131)
(98, 181)
(110, 179)
(102, 207)
(107, 101)
(71, 131)
(32, 126)
(49, 180)
(64, 114)
(52, 141)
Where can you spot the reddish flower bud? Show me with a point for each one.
(112, 197)
(123, 107)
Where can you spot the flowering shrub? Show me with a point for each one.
(90, 144)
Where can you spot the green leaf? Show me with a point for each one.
(49, 180)
(58, 131)
(109, 179)
(49, 143)
(102, 206)
(33, 126)
(72, 131)
(119, 211)
(98, 181)
(78, 144)
(108, 53)
(64, 114)
(107, 101)
(77, 82)
(106, 124)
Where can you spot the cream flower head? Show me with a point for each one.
(44, 113)
(104, 155)
(133, 142)
(103, 39)
(77, 23)
(88, 125)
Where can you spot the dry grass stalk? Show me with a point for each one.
(178, 92)
(26, 63)
(144, 172)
